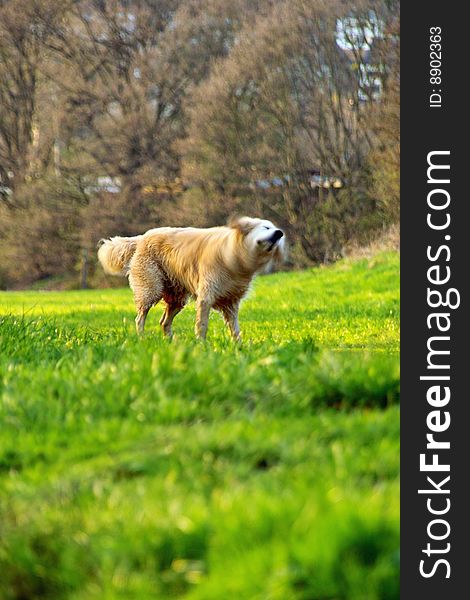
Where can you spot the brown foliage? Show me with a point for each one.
(40, 234)
(287, 100)
(194, 110)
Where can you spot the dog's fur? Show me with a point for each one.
(215, 266)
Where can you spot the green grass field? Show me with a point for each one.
(142, 468)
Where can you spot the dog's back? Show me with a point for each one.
(188, 254)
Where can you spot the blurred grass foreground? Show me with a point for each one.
(145, 468)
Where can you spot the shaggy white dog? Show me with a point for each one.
(214, 265)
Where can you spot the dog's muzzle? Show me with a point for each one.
(276, 236)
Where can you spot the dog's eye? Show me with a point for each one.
(266, 227)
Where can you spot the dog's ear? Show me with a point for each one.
(242, 224)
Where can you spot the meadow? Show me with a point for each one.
(147, 468)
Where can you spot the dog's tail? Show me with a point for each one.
(115, 254)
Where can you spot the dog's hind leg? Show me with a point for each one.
(146, 281)
(230, 314)
(140, 319)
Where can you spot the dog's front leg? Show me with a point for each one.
(230, 314)
(203, 307)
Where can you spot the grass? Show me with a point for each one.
(145, 468)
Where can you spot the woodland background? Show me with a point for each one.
(118, 116)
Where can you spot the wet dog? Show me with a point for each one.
(215, 266)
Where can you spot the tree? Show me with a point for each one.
(124, 70)
(295, 95)
(20, 42)
(385, 123)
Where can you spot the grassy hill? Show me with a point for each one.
(142, 468)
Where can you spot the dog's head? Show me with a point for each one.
(263, 240)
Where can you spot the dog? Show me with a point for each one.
(214, 265)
